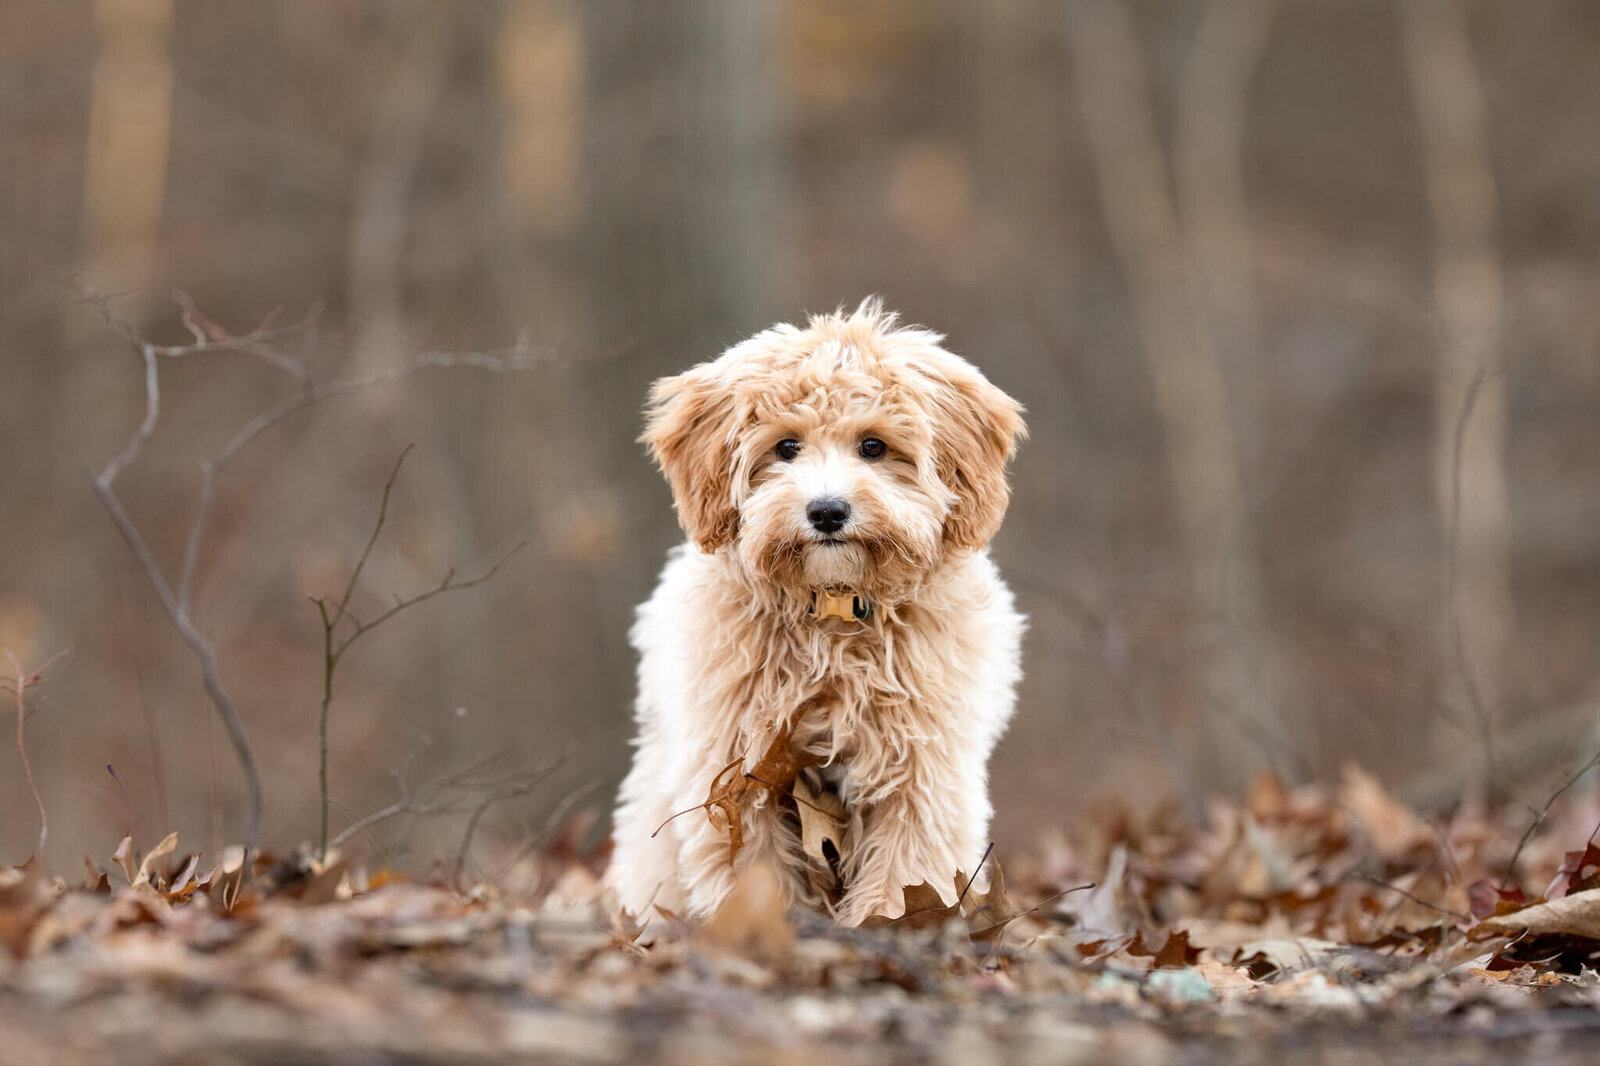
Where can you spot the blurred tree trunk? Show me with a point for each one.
(125, 166)
(1155, 244)
(1213, 94)
(1469, 452)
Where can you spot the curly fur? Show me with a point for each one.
(904, 708)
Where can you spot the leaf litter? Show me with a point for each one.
(1299, 919)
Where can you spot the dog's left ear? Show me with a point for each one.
(977, 431)
(690, 426)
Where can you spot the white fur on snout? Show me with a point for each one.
(827, 475)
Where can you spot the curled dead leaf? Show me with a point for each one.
(824, 823)
(147, 868)
(924, 908)
(731, 790)
(990, 911)
(1574, 915)
(987, 913)
(123, 857)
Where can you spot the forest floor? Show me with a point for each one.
(1304, 925)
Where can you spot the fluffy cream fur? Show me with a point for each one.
(903, 708)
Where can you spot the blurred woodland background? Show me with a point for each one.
(1300, 296)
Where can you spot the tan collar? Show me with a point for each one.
(846, 604)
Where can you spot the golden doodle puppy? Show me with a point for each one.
(827, 664)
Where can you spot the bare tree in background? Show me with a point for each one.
(1165, 243)
(1469, 452)
(130, 116)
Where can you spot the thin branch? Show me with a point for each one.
(552, 822)
(211, 338)
(445, 795)
(986, 853)
(127, 807)
(179, 614)
(24, 681)
(333, 650)
(1418, 900)
(511, 790)
(1544, 812)
(377, 528)
(448, 584)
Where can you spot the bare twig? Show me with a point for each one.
(457, 792)
(177, 601)
(334, 648)
(551, 823)
(511, 788)
(968, 888)
(24, 680)
(1418, 900)
(127, 807)
(1544, 812)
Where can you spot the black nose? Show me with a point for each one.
(827, 515)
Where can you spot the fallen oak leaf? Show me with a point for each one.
(1485, 899)
(824, 823)
(1574, 915)
(991, 910)
(1176, 953)
(924, 908)
(722, 794)
(1569, 876)
(147, 868)
(777, 770)
(123, 857)
(1006, 912)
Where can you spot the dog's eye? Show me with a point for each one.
(872, 448)
(788, 449)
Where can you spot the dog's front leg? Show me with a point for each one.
(929, 825)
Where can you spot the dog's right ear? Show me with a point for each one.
(691, 426)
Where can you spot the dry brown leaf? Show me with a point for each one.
(147, 868)
(94, 881)
(987, 913)
(924, 907)
(1265, 958)
(990, 911)
(1176, 952)
(123, 857)
(753, 922)
(323, 886)
(1394, 830)
(730, 789)
(1574, 915)
(726, 798)
(823, 820)
(824, 823)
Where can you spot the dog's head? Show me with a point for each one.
(848, 453)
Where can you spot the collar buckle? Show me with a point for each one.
(845, 604)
